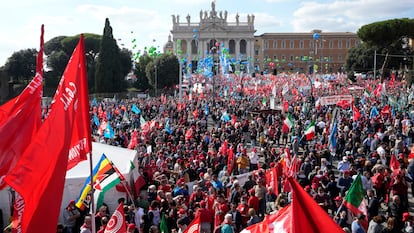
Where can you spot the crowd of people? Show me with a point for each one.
(223, 143)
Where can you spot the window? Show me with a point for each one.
(232, 47)
(340, 57)
(301, 44)
(311, 45)
(274, 57)
(283, 57)
(266, 44)
(339, 44)
(283, 44)
(243, 46)
(292, 57)
(331, 44)
(275, 44)
(292, 44)
(348, 44)
(256, 52)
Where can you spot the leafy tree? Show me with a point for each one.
(22, 65)
(108, 76)
(167, 71)
(142, 80)
(389, 34)
(59, 50)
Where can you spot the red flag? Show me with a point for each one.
(261, 227)
(194, 226)
(272, 179)
(411, 155)
(394, 164)
(117, 223)
(134, 140)
(392, 80)
(355, 113)
(386, 110)
(39, 175)
(378, 90)
(20, 118)
(305, 208)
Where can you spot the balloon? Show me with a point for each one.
(290, 64)
(316, 36)
(217, 44)
(179, 51)
(195, 30)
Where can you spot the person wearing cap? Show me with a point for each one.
(206, 217)
(70, 215)
(344, 164)
(408, 222)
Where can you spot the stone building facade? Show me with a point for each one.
(214, 29)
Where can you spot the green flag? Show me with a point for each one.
(131, 165)
(355, 195)
(163, 224)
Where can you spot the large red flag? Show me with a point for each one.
(261, 227)
(304, 209)
(20, 118)
(194, 226)
(39, 175)
(117, 223)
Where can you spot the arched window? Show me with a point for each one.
(243, 46)
(232, 47)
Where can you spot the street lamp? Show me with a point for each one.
(155, 81)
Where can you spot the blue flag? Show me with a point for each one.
(96, 119)
(207, 110)
(94, 102)
(109, 132)
(168, 127)
(332, 136)
(135, 109)
(374, 112)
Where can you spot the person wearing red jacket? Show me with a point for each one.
(206, 217)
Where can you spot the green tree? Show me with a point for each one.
(59, 50)
(108, 76)
(167, 71)
(21, 65)
(142, 81)
(389, 34)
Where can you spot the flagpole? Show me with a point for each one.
(92, 205)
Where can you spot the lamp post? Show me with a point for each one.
(155, 81)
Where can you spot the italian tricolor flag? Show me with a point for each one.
(310, 131)
(355, 196)
(288, 122)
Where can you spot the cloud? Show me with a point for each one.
(345, 15)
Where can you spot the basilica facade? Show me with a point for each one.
(213, 31)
